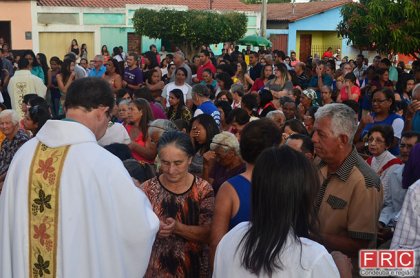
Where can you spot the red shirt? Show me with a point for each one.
(209, 65)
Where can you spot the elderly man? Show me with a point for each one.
(14, 139)
(179, 61)
(349, 185)
(99, 68)
(201, 98)
(277, 117)
(223, 161)
(63, 189)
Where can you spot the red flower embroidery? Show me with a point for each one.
(41, 233)
(45, 167)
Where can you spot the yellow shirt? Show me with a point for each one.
(2, 137)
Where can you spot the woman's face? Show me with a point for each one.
(206, 77)
(223, 98)
(385, 76)
(329, 71)
(134, 114)
(30, 59)
(198, 133)
(237, 129)
(268, 71)
(123, 111)
(263, 62)
(180, 76)
(174, 163)
(239, 67)
(410, 85)
(73, 42)
(377, 143)
(308, 121)
(54, 65)
(277, 72)
(380, 103)
(110, 67)
(221, 84)
(306, 102)
(155, 77)
(28, 123)
(173, 100)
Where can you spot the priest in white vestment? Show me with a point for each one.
(105, 225)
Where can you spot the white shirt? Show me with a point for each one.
(186, 90)
(314, 258)
(106, 225)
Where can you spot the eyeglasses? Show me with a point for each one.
(378, 100)
(379, 141)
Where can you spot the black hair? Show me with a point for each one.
(28, 97)
(37, 100)
(292, 182)
(239, 116)
(411, 134)
(211, 128)
(145, 93)
(225, 106)
(44, 66)
(389, 95)
(182, 124)
(122, 92)
(140, 171)
(257, 136)
(386, 131)
(226, 79)
(183, 70)
(23, 63)
(56, 60)
(225, 93)
(151, 56)
(205, 52)
(307, 144)
(180, 96)
(34, 60)
(353, 105)
(181, 140)
(116, 65)
(89, 93)
(249, 101)
(65, 69)
(39, 114)
(296, 126)
(122, 151)
(350, 76)
(386, 62)
(265, 97)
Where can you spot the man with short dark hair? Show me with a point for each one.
(133, 76)
(301, 143)
(201, 98)
(205, 63)
(360, 69)
(301, 76)
(255, 67)
(72, 191)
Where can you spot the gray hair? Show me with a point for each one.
(161, 125)
(226, 141)
(100, 57)
(124, 101)
(237, 88)
(272, 114)
(416, 91)
(14, 116)
(180, 55)
(200, 90)
(343, 119)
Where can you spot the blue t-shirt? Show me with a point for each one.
(416, 122)
(97, 73)
(209, 108)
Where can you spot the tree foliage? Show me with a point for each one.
(190, 29)
(384, 25)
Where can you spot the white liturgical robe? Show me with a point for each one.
(106, 225)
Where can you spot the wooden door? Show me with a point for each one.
(58, 43)
(134, 43)
(279, 42)
(305, 47)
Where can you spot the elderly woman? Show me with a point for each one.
(234, 196)
(225, 159)
(15, 137)
(184, 204)
(307, 100)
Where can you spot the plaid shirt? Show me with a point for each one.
(407, 232)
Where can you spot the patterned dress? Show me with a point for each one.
(9, 148)
(175, 256)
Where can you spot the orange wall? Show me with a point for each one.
(19, 13)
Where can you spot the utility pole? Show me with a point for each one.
(263, 18)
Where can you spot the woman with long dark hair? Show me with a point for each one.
(112, 75)
(64, 79)
(139, 117)
(34, 66)
(177, 109)
(42, 60)
(55, 94)
(74, 47)
(36, 117)
(275, 242)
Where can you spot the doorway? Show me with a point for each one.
(305, 47)
(5, 32)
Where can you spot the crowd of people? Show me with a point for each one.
(246, 164)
